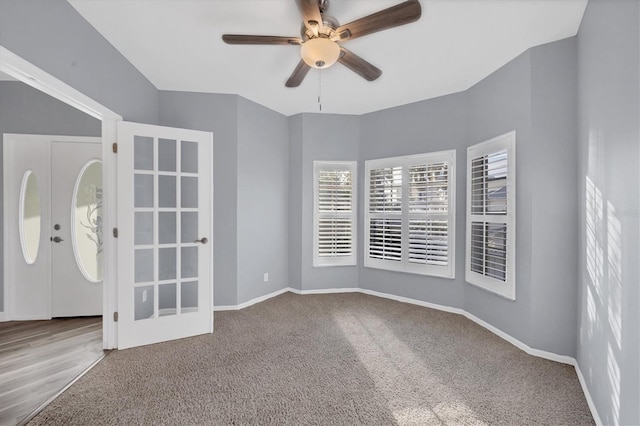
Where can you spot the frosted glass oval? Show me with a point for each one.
(30, 217)
(86, 221)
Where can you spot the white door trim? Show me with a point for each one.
(22, 70)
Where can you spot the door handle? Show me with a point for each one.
(56, 239)
(202, 240)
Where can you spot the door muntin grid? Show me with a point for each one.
(166, 213)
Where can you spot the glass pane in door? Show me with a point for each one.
(167, 299)
(143, 223)
(189, 192)
(167, 228)
(189, 157)
(143, 302)
(189, 231)
(189, 296)
(167, 155)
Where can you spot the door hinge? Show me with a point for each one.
(115, 232)
(114, 147)
(115, 317)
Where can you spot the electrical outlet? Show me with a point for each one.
(266, 277)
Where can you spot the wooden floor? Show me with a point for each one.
(39, 358)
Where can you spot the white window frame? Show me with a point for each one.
(505, 288)
(352, 167)
(444, 271)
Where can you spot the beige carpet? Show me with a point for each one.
(343, 359)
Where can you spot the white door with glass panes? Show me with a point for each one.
(165, 230)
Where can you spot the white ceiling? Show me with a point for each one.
(177, 45)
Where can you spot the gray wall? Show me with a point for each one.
(498, 104)
(535, 94)
(427, 126)
(26, 110)
(263, 200)
(217, 114)
(296, 142)
(317, 137)
(554, 177)
(53, 36)
(609, 154)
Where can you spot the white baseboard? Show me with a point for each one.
(250, 302)
(587, 395)
(278, 293)
(324, 290)
(521, 345)
(411, 301)
(528, 349)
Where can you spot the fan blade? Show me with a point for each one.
(358, 65)
(298, 75)
(257, 39)
(311, 15)
(397, 15)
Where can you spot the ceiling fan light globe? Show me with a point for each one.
(320, 52)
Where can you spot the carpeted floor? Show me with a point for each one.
(342, 359)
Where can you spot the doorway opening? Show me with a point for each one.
(52, 246)
(22, 70)
(61, 349)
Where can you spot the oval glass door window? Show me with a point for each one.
(86, 221)
(30, 217)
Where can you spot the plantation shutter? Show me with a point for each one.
(490, 215)
(428, 214)
(385, 213)
(334, 235)
(410, 215)
(489, 200)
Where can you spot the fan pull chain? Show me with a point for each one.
(319, 88)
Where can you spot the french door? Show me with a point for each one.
(164, 234)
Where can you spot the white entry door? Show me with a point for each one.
(165, 223)
(76, 229)
(45, 182)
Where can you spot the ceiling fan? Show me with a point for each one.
(322, 37)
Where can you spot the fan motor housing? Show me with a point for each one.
(329, 24)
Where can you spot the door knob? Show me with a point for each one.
(202, 240)
(56, 239)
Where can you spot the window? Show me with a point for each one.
(491, 209)
(410, 213)
(86, 221)
(334, 234)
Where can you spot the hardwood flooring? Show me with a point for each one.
(39, 358)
